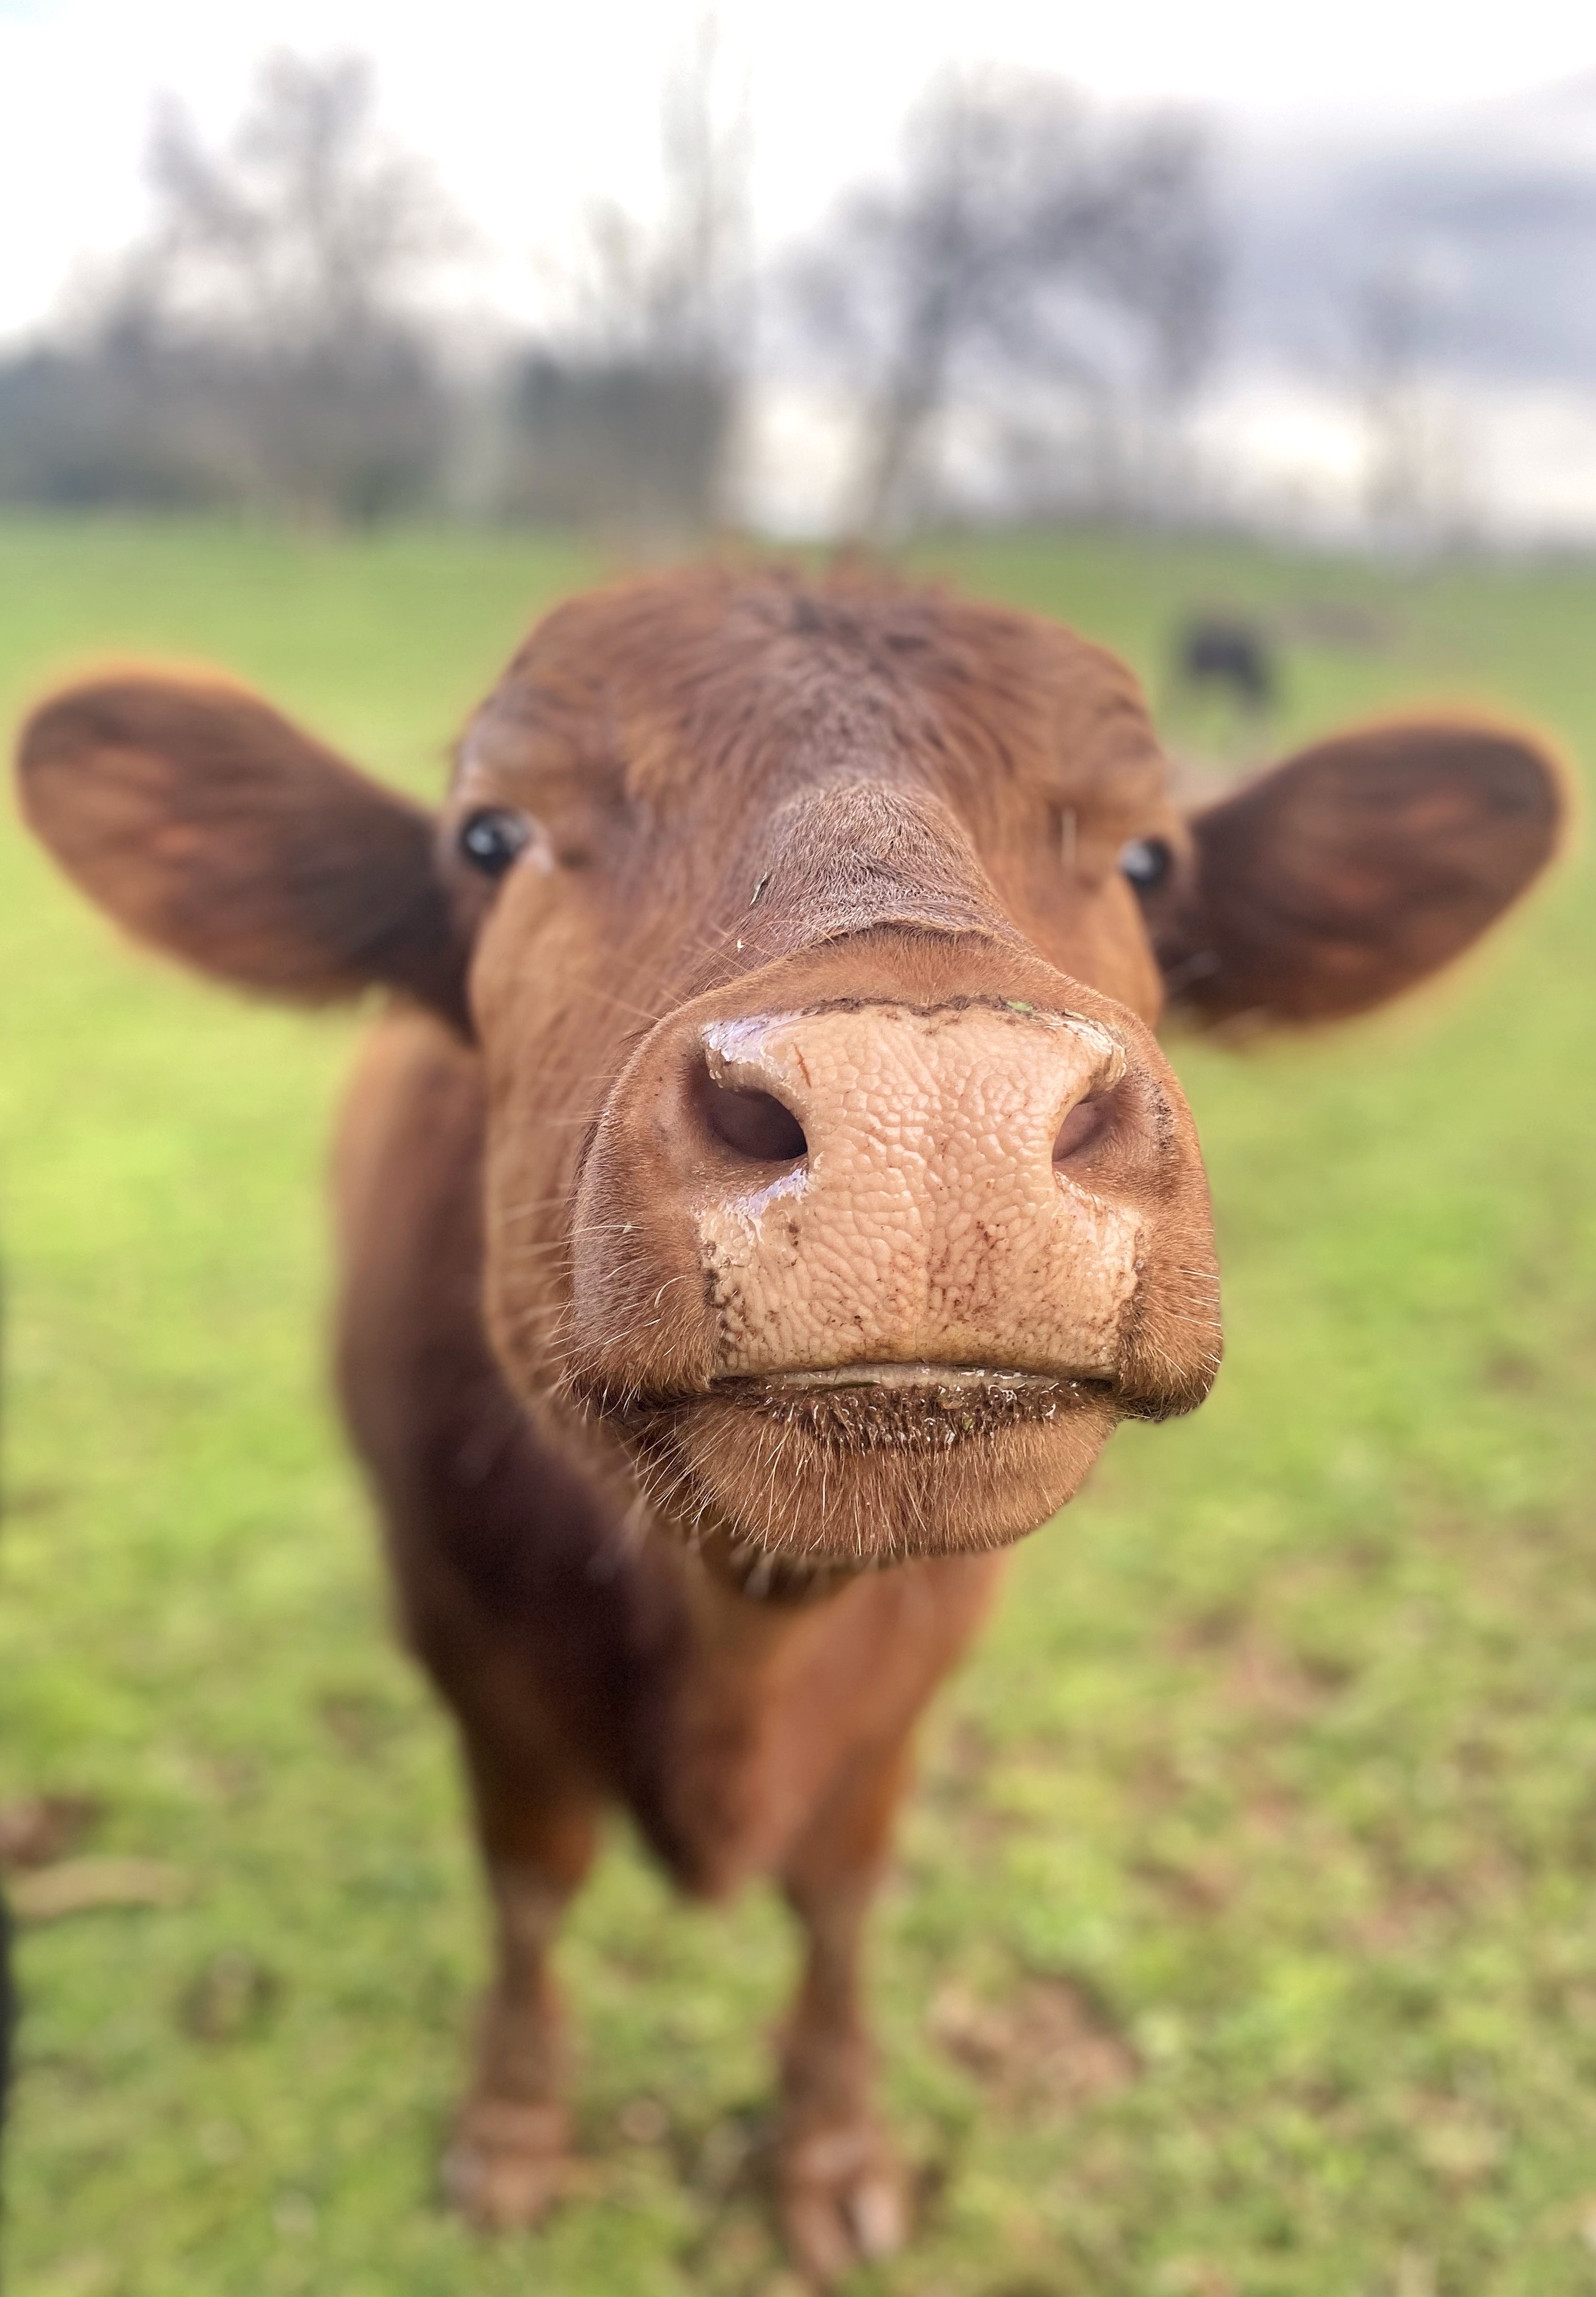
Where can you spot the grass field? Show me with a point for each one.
(1242, 1939)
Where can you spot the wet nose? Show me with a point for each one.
(886, 1185)
(937, 1086)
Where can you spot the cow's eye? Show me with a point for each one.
(1146, 861)
(492, 838)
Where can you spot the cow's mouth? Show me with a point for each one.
(842, 1466)
(901, 1407)
(920, 1379)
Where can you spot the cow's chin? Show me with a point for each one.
(870, 1466)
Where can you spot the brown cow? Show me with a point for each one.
(766, 1175)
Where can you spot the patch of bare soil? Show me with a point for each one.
(46, 1883)
(84, 1886)
(1048, 2046)
(39, 1828)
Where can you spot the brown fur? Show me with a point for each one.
(1367, 863)
(744, 786)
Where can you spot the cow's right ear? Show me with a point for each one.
(210, 827)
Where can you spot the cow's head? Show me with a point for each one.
(814, 938)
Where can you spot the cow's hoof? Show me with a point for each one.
(840, 2193)
(506, 2163)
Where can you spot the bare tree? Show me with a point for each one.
(305, 229)
(290, 258)
(1164, 265)
(1415, 488)
(1026, 237)
(624, 411)
(264, 342)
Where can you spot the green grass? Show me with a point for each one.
(1281, 1753)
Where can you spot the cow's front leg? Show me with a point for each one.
(839, 2187)
(506, 2160)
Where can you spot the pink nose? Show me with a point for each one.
(885, 1185)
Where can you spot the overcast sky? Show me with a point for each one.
(528, 109)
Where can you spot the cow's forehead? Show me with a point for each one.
(665, 681)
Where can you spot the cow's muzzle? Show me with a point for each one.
(874, 1274)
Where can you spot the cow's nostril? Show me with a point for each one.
(1084, 1125)
(756, 1125)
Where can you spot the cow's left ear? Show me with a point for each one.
(208, 825)
(1353, 870)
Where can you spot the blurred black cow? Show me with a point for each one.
(1224, 652)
